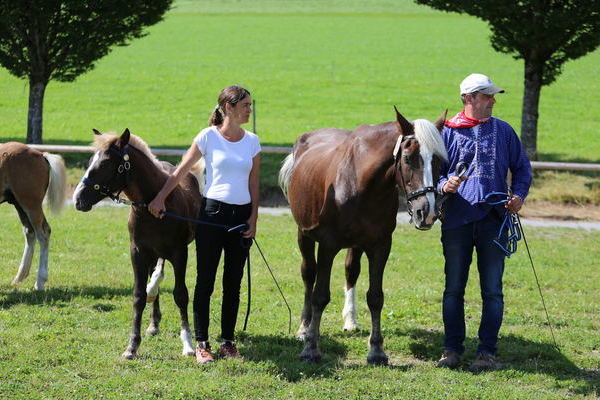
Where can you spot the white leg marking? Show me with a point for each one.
(186, 340)
(42, 274)
(25, 265)
(349, 312)
(157, 277)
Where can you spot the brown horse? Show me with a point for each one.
(125, 163)
(26, 177)
(342, 187)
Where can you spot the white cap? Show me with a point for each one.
(479, 83)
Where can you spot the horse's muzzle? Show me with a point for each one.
(82, 205)
(422, 219)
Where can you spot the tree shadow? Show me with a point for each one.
(58, 296)
(284, 353)
(515, 353)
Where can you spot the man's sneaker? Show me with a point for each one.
(484, 362)
(450, 359)
(228, 349)
(203, 354)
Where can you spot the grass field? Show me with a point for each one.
(309, 64)
(66, 343)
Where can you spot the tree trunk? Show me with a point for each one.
(36, 108)
(531, 101)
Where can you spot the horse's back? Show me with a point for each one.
(317, 155)
(320, 141)
(24, 172)
(187, 199)
(332, 193)
(189, 184)
(167, 236)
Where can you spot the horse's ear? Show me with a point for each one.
(124, 139)
(439, 124)
(96, 131)
(405, 126)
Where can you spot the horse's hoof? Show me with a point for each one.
(188, 352)
(351, 327)
(377, 359)
(310, 356)
(128, 355)
(312, 360)
(39, 287)
(152, 330)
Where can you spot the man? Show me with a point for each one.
(490, 147)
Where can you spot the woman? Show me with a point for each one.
(232, 157)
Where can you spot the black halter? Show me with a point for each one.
(416, 193)
(123, 168)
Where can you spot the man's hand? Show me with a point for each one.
(514, 204)
(452, 184)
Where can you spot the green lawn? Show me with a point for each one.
(309, 64)
(66, 343)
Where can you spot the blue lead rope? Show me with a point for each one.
(511, 223)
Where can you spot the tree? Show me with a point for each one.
(544, 33)
(44, 40)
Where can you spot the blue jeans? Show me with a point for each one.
(458, 244)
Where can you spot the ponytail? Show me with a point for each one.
(216, 118)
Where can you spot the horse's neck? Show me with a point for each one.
(146, 178)
(368, 169)
(380, 158)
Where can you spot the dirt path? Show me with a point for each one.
(562, 212)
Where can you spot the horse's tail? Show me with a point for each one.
(198, 172)
(56, 192)
(285, 173)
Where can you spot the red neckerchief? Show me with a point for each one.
(460, 120)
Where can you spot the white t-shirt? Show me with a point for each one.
(228, 165)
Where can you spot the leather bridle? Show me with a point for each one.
(416, 193)
(124, 168)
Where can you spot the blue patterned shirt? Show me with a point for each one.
(490, 149)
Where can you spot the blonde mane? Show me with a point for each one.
(429, 137)
(104, 141)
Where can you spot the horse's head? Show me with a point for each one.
(107, 173)
(418, 155)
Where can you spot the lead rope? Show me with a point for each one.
(240, 228)
(230, 229)
(249, 292)
(276, 284)
(512, 222)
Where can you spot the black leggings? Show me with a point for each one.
(210, 242)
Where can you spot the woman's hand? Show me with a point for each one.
(189, 159)
(156, 206)
(251, 232)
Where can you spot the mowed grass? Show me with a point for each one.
(66, 343)
(308, 65)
